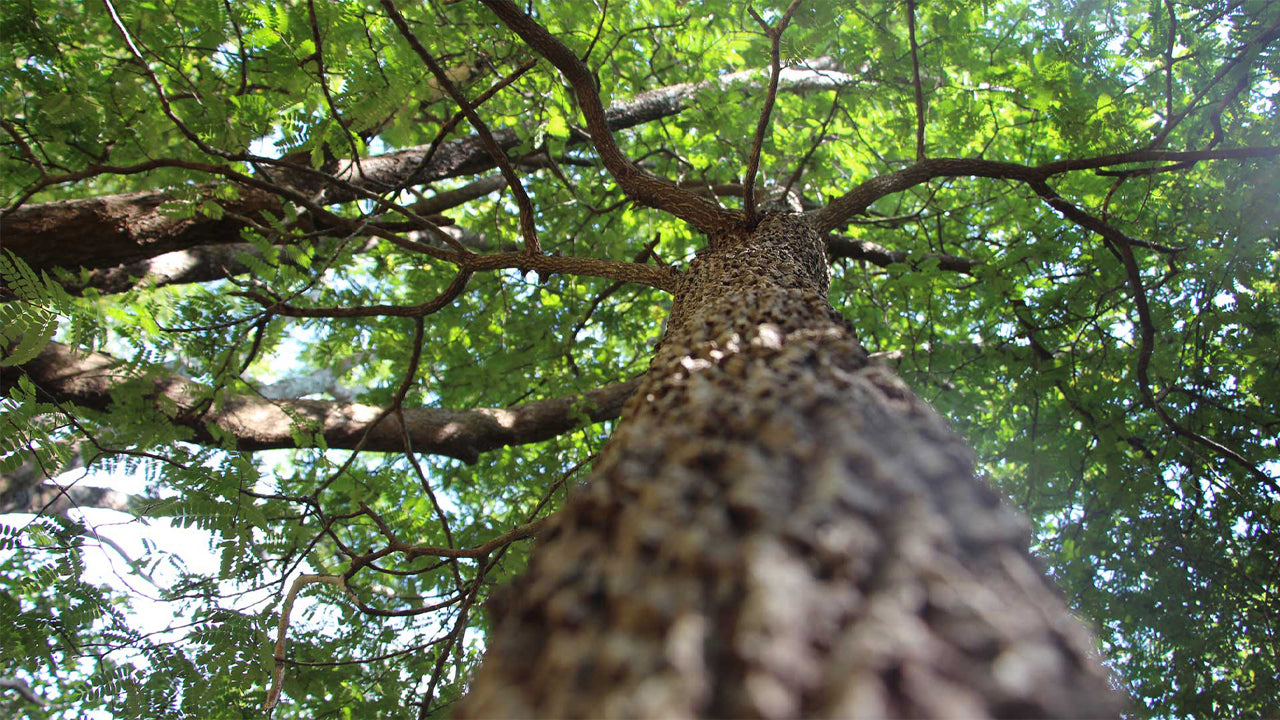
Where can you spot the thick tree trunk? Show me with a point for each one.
(780, 528)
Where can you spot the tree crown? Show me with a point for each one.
(357, 288)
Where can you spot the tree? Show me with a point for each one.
(361, 288)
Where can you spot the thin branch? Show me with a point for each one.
(915, 79)
(839, 246)
(637, 183)
(282, 630)
(857, 200)
(395, 544)
(159, 88)
(527, 226)
(1146, 326)
(397, 401)
(1266, 37)
(762, 125)
(45, 241)
(441, 516)
(818, 140)
(322, 76)
(660, 277)
(275, 306)
(21, 687)
(25, 148)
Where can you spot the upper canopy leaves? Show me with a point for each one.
(285, 190)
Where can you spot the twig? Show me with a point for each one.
(857, 200)
(321, 74)
(282, 630)
(637, 183)
(813, 148)
(279, 307)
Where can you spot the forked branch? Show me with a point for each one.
(774, 32)
(637, 183)
(528, 229)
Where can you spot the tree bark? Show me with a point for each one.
(780, 528)
(89, 379)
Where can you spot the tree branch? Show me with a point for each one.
(88, 379)
(48, 499)
(128, 227)
(774, 34)
(637, 183)
(857, 200)
(527, 227)
(915, 79)
(276, 306)
(1123, 246)
(842, 246)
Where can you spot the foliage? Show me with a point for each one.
(1165, 543)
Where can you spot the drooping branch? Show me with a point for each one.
(1123, 246)
(66, 375)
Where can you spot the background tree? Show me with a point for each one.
(357, 289)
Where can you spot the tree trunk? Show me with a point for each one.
(780, 528)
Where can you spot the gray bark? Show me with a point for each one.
(780, 528)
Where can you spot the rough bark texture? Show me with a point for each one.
(780, 528)
(89, 379)
(113, 229)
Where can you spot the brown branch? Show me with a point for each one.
(50, 499)
(637, 183)
(412, 552)
(527, 227)
(321, 74)
(818, 140)
(842, 246)
(127, 227)
(88, 379)
(1146, 326)
(282, 630)
(660, 277)
(915, 79)
(1265, 38)
(435, 304)
(762, 125)
(857, 200)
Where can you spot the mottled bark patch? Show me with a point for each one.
(779, 528)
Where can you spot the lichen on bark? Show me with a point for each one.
(780, 528)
